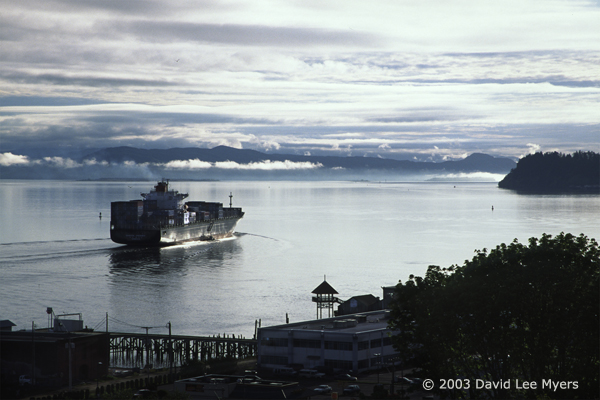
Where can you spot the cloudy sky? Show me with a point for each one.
(406, 79)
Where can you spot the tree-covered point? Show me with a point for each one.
(555, 173)
(516, 312)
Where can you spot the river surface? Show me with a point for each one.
(55, 251)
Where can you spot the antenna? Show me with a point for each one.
(230, 198)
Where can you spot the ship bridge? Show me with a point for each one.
(165, 199)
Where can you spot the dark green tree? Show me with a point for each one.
(555, 173)
(516, 312)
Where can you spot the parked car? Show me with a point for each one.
(323, 389)
(24, 380)
(403, 380)
(351, 389)
(346, 377)
(417, 381)
(251, 378)
(284, 371)
(143, 394)
(307, 373)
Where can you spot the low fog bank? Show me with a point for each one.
(64, 170)
(225, 163)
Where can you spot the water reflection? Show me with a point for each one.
(178, 283)
(125, 260)
(166, 260)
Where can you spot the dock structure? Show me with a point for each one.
(163, 350)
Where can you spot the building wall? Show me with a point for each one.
(52, 356)
(359, 304)
(86, 354)
(337, 350)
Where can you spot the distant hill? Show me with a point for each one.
(474, 163)
(555, 173)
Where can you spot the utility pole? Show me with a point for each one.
(170, 351)
(33, 350)
(70, 345)
(147, 349)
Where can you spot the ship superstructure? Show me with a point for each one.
(163, 218)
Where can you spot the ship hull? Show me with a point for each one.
(174, 234)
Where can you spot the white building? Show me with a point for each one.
(355, 343)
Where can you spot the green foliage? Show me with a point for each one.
(555, 172)
(515, 312)
(127, 394)
(224, 366)
(193, 368)
(177, 396)
(379, 392)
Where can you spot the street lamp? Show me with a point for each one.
(98, 378)
(377, 363)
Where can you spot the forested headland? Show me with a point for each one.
(518, 312)
(555, 173)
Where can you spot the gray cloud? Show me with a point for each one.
(37, 101)
(254, 35)
(416, 118)
(321, 78)
(172, 118)
(90, 80)
(148, 8)
(575, 84)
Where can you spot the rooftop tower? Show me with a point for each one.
(324, 298)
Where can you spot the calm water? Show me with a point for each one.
(56, 252)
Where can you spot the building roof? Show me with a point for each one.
(324, 288)
(42, 335)
(366, 299)
(363, 322)
(7, 324)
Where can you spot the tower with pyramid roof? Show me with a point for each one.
(324, 297)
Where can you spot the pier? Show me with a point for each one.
(163, 350)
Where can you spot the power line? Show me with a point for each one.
(112, 319)
(99, 324)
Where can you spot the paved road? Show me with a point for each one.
(366, 383)
(91, 386)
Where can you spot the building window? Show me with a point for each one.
(387, 341)
(392, 358)
(274, 360)
(307, 343)
(363, 364)
(364, 345)
(331, 345)
(278, 342)
(339, 364)
(375, 343)
(194, 388)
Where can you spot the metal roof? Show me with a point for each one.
(324, 288)
(5, 323)
(366, 321)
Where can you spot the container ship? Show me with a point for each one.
(162, 218)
